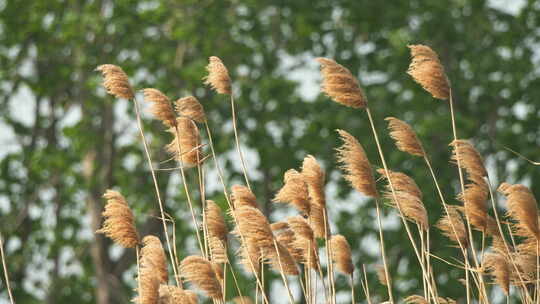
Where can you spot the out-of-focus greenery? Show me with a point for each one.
(64, 141)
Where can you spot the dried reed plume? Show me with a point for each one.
(285, 236)
(161, 106)
(190, 107)
(315, 178)
(499, 268)
(148, 291)
(341, 254)
(451, 221)
(218, 270)
(281, 260)
(200, 273)
(176, 295)
(522, 207)
(415, 299)
(405, 137)
(250, 256)
(218, 76)
(294, 191)
(215, 221)
(189, 154)
(119, 224)
(340, 84)
(242, 300)
(253, 226)
(381, 275)
(474, 200)
(241, 196)
(279, 226)
(469, 159)
(356, 165)
(300, 227)
(116, 81)
(317, 220)
(218, 251)
(153, 257)
(427, 70)
(402, 182)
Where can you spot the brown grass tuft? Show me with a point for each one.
(119, 224)
(405, 137)
(190, 107)
(116, 81)
(189, 154)
(200, 272)
(340, 84)
(427, 70)
(153, 257)
(294, 191)
(453, 218)
(356, 165)
(241, 196)
(522, 207)
(218, 76)
(161, 106)
(341, 254)
(499, 267)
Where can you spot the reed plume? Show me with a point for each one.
(250, 256)
(254, 227)
(148, 291)
(215, 221)
(450, 222)
(315, 178)
(285, 236)
(294, 191)
(340, 84)
(475, 205)
(427, 70)
(190, 107)
(355, 164)
(415, 299)
(161, 107)
(522, 207)
(405, 137)
(469, 159)
(153, 257)
(341, 254)
(119, 224)
(242, 300)
(381, 275)
(498, 266)
(281, 260)
(176, 295)
(218, 76)
(242, 196)
(200, 273)
(187, 137)
(116, 81)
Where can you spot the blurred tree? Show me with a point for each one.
(65, 141)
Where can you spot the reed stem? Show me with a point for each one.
(6, 276)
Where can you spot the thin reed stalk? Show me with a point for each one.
(6, 276)
(351, 281)
(237, 141)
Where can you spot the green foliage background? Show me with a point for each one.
(64, 141)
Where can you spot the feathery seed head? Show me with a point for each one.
(186, 150)
(294, 191)
(161, 106)
(340, 84)
(242, 196)
(153, 257)
(427, 70)
(469, 158)
(499, 268)
(218, 76)
(451, 221)
(200, 273)
(522, 207)
(119, 224)
(341, 254)
(116, 81)
(215, 221)
(405, 137)
(190, 107)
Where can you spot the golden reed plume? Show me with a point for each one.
(218, 76)
(314, 178)
(176, 295)
(498, 266)
(253, 226)
(340, 84)
(189, 155)
(153, 257)
(294, 191)
(116, 81)
(341, 254)
(405, 137)
(161, 107)
(241, 196)
(469, 159)
(200, 273)
(217, 232)
(148, 291)
(381, 275)
(474, 200)
(451, 221)
(281, 260)
(427, 70)
(119, 224)
(522, 207)
(190, 107)
(356, 165)
(415, 299)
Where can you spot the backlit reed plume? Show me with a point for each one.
(281, 260)
(161, 106)
(148, 291)
(119, 224)
(200, 273)
(315, 178)
(405, 137)
(474, 204)
(522, 207)
(189, 154)
(116, 81)
(340, 84)
(355, 164)
(218, 270)
(190, 107)
(415, 299)
(451, 221)
(176, 295)
(242, 196)
(498, 266)
(304, 240)
(294, 191)
(406, 196)
(285, 236)
(217, 232)
(218, 76)
(250, 256)
(242, 300)
(279, 226)
(381, 275)
(153, 257)
(253, 226)
(469, 159)
(427, 70)
(341, 254)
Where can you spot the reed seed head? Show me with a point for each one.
(175, 295)
(315, 178)
(218, 76)
(215, 221)
(405, 137)
(415, 299)
(355, 164)
(522, 207)
(116, 81)
(190, 107)
(499, 268)
(185, 146)
(474, 200)
(469, 158)
(200, 273)
(281, 260)
(161, 106)
(381, 275)
(341, 254)
(294, 191)
(243, 196)
(119, 224)
(153, 257)
(427, 70)
(453, 222)
(340, 84)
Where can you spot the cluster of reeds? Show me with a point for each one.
(303, 249)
